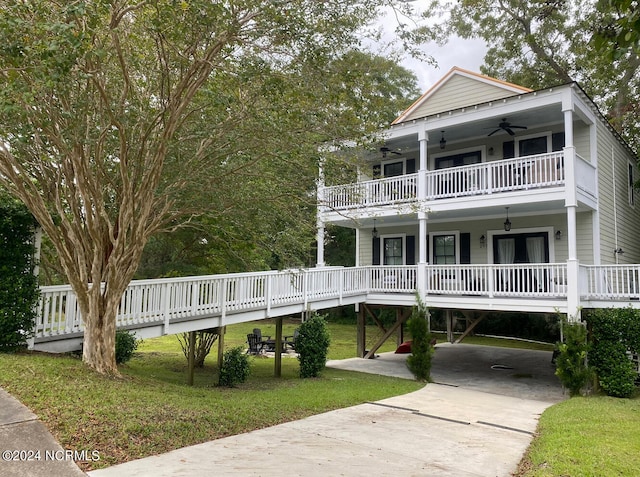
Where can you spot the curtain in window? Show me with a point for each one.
(506, 255)
(535, 249)
(535, 254)
(506, 250)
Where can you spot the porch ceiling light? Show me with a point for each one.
(507, 223)
(374, 232)
(443, 141)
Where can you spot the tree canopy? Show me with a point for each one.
(541, 43)
(120, 119)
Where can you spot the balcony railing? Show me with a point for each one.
(611, 282)
(543, 170)
(159, 301)
(544, 280)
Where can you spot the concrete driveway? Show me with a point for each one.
(473, 421)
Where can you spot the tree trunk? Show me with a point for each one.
(99, 347)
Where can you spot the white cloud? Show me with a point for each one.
(467, 54)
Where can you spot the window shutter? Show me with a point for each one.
(508, 150)
(411, 166)
(376, 251)
(465, 248)
(557, 141)
(411, 249)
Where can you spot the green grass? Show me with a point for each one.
(150, 409)
(586, 436)
(500, 342)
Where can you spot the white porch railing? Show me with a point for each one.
(611, 282)
(396, 279)
(545, 280)
(543, 170)
(160, 301)
(390, 190)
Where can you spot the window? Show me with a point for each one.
(444, 249)
(394, 169)
(630, 184)
(535, 145)
(393, 251)
(472, 157)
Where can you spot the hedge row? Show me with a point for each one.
(18, 285)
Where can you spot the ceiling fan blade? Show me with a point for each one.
(518, 127)
(493, 132)
(511, 133)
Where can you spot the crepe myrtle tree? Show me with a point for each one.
(98, 102)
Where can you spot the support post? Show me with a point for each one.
(221, 332)
(449, 320)
(277, 371)
(192, 357)
(399, 316)
(361, 333)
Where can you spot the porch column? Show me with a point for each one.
(319, 221)
(423, 139)
(357, 259)
(320, 240)
(421, 281)
(571, 204)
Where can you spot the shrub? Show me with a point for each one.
(312, 345)
(419, 362)
(571, 362)
(18, 285)
(235, 367)
(204, 341)
(126, 344)
(615, 332)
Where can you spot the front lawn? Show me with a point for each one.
(588, 437)
(150, 409)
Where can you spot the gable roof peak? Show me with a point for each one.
(499, 89)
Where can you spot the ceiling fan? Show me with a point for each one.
(385, 150)
(506, 126)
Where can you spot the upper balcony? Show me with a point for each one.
(521, 174)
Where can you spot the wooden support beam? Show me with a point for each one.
(401, 319)
(277, 371)
(374, 317)
(191, 357)
(221, 332)
(449, 319)
(361, 333)
(474, 323)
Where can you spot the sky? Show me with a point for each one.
(467, 54)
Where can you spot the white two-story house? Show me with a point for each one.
(488, 196)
